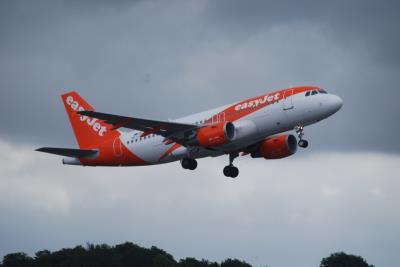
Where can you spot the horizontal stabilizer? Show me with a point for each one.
(69, 152)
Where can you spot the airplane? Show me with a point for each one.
(256, 127)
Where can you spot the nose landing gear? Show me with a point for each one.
(303, 143)
(300, 133)
(230, 170)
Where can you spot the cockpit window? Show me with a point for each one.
(314, 92)
(308, 93)
(322, 91)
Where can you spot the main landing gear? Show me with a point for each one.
(230, 170)
(300, 133)
(189, 164)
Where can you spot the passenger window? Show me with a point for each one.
(308, 93)
(314, 92)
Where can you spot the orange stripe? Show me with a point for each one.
(256, 103)
(172, 148)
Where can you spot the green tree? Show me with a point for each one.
(341, 259)
(161, 260)
(18, 259)
(123, 255)
(192, 262)
(43, 258)
(234, 263)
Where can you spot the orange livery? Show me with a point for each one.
(254, 127)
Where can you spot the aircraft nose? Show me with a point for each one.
(335, 103)
(338, 102)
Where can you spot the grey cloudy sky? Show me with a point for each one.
(166, 59)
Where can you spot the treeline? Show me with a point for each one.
(129, 254)
(126, 254)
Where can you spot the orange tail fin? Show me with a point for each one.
(89, 132)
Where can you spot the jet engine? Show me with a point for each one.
(225, 132)
(216, 134)
(277, 147)
(242, 130)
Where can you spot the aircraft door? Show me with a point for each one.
(214, 119)
(117, 147)
(221, 117)
(288, 100)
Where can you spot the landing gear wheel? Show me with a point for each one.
(234, 172)
(300, 133)
(193, 165)
(227, 171)
(303, 143)
(189, 164)
(231, 171)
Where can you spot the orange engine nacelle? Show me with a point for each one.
(216, 135)
(278, 147)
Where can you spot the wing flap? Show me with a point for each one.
(69, 152)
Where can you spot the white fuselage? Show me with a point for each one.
(277, 117)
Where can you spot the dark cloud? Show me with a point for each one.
(371, 23)
(183, 57)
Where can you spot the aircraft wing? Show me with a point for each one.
(69, 152)
(166, 129)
